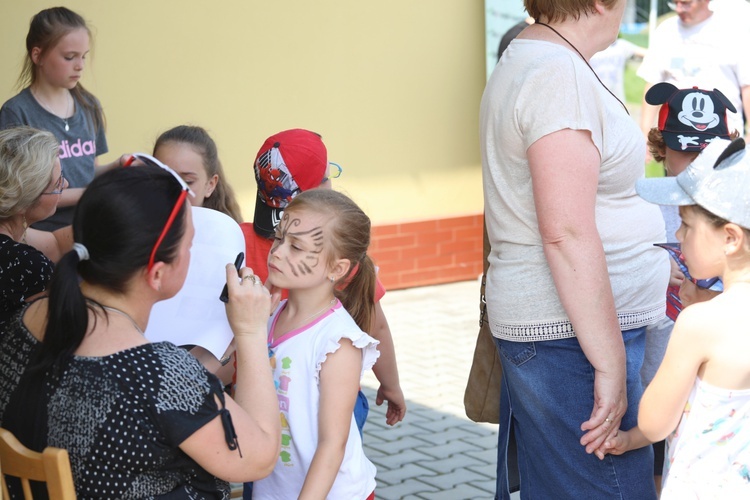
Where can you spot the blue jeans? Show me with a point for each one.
(547, 392)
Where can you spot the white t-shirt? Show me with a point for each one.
(708, 455)
(710, 55)
(609, 64)
(536, 89)
(296, 360)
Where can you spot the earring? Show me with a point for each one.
(331, 279)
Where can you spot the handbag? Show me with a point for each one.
(482, 394)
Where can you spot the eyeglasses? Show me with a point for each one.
(59, 185)
(675, 251)
(686, 4)
(334, 172)
(153, 162)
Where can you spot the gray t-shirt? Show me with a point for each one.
(539, 88)
(79, 146)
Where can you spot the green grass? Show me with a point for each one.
(633, 83)
(634, 92)
(636, 38)
(654, 169)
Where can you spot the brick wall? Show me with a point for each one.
(428, 252)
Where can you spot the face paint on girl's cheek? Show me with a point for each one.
(309, 259)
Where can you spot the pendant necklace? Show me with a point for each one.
(304, 321)
(67, 114)
(587, 64)
(301, 323)
(123, 313)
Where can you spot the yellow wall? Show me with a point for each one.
(393, 86)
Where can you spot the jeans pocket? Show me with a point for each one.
(516, 352)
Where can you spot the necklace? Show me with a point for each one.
(123, 313)
(304, 321)
(67, 109)
(587, 64)
(327, 306)
(10, 229)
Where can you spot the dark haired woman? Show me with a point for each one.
(138, 419)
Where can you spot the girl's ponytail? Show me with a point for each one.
(358, 296)
(67, 319)
(349, 239)
(117, 222)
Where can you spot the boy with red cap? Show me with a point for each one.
(287, 164)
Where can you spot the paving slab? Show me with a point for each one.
(436, 452)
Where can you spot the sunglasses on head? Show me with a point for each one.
(153, 162)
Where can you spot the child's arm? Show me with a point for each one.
(623, 441)
(339, 384)
(386, 371)
(663, 402)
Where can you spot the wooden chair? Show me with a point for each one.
(51, 466)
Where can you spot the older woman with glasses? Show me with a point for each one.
(31, 182)
(574, 278)
(139, 419)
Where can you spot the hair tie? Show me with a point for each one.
(82, 251)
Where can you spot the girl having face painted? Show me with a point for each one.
(318, 349)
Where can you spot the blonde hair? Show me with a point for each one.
(349, 239)
(561, 10)
(27, 157)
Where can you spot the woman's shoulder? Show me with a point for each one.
(179, 368)
(543, 56)
(24, 270)
(11, 249)
(172, 356)
(22, 262)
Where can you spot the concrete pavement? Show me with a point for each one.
(436, 452)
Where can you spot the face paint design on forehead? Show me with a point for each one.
(300, 261)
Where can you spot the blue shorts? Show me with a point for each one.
(361, 409)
